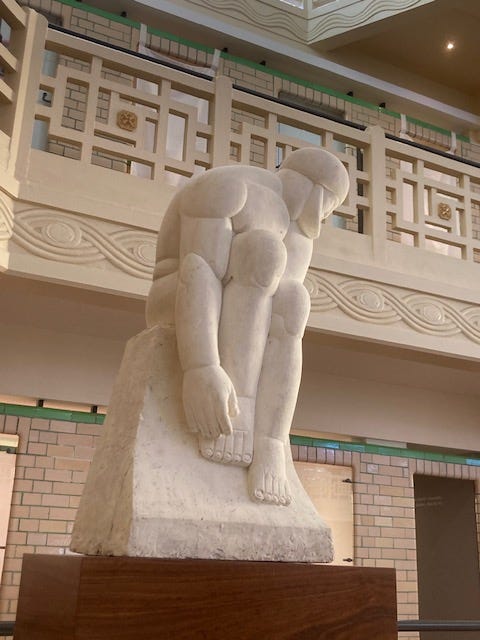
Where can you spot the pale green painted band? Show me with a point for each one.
(81, 417)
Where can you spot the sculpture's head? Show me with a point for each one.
(315, 183)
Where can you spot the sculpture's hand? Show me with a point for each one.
(209, 400)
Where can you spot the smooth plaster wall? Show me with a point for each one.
(392, 412)
(74, 367)
(65, 344)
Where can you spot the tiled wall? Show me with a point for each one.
(52, 463)
(95, 26)
(54, 456)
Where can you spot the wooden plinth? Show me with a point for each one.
(106, 598)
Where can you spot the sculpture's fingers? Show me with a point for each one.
(209, 420)
(224, 422)
(191, 422)
(202, 423)
(233, 408)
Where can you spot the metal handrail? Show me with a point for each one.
(439, 625)
(6, 628)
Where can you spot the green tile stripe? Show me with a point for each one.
(433, 127)
(99, 12)
(136, 25)
(51, 414)
(307, 83)
(85, 417)
(384, 451)
(264, 69)
(337, 94)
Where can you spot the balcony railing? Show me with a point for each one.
(7, 628)
(94, 143)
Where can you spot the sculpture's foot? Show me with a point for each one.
(267, 480)
(237, 447)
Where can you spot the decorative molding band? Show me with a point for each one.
(358, 15)
(64, 237)
(260, 15)
(6, 218)
(374, 303)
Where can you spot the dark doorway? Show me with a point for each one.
(447, 553)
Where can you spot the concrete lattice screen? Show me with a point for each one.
(91, 88)
(419, 210)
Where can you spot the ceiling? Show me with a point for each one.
(415, 41)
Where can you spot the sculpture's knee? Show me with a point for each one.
(194, 268)
(257, 258)
(291, 307)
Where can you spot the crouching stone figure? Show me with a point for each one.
(232, 255)
(195, 442)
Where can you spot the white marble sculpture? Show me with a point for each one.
(205, 435)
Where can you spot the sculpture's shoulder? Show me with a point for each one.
(223, 191)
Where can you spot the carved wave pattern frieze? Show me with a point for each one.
(339, 21)
(67, 238)
(283, 22)
(276, 20)
(6, 219)
(368, 302)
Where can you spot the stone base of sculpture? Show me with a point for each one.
(150, 492)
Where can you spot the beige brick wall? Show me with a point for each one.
(52, 463)
(53, 460)
(248, 77)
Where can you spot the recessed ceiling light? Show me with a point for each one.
(450, 45)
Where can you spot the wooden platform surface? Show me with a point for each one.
(106, 598)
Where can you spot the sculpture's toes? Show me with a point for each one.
(271, 487)
(242, 448)
(232, 449)
(280, 492)
(216, 449)
(284, 495)
(207, 447)
(268, 487)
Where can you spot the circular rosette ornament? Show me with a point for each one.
(63, 234)
(431, 316)
(368, 302)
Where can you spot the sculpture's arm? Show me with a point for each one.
(161, 298)
(209, 398)
(200, 291)
(206, 234)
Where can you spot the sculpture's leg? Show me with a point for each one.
(277, 394)
(257, 262)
